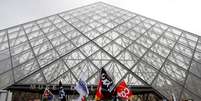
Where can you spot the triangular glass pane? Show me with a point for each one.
(22, 57)
(162, 50)
(25, 69)
(67, 29)
(102, 29)
(66, 78)
(6, 79)
(94, 79)
(154, 33)
(89, 49)
(100, 58)
(44, 47)
(193, 84)
(174, 31)
(102, 41)
(154, 59)
(92, 34)
(84, 28)
(80, 40)
(132, 34)
(54, 35)
(179, 59)
(129, 24)
(145, 71)
(54, 70)
(183, 50)
(112, 34)
(197, 55)
(18, 49)
(167, 86)
(145, 41)
(5, 65)
(103, 20)
(73, 58)
(38, 41)
(85, 68)
(188, 42)
(123, 41)
(72, 34)
(121, 29)
(59, 40)
(36, 78)
(113, 49)
(3, 36)
(65, 48)
(34, 32)
(111, 24)
(3, 45)
(116, 71)
(127, 58)
(196, 68)
(132, 80)
(198, 47)
(166, 41)
(47, 57)
(174, 72)
(94, 24)
(72, 20)
(137, 49)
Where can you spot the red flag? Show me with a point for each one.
(98, 92)
(84, 98)
(123, 91)
(105, 86)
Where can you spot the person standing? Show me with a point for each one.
(62, 94)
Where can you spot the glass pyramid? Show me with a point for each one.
(131, 47)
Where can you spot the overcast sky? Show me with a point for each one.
(184, 14)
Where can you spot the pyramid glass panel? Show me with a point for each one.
(131, 47)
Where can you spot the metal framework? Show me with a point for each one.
(131, 47)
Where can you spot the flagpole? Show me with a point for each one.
(115, 97)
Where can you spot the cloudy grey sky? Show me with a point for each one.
(184, 14)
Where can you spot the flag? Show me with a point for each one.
(84, 98)
(47, 95)
(62, 93)
(98, 92)
(173, 97)
(105, 86)
(123, 91)
(82, 89)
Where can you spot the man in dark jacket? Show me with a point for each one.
(62, 95)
